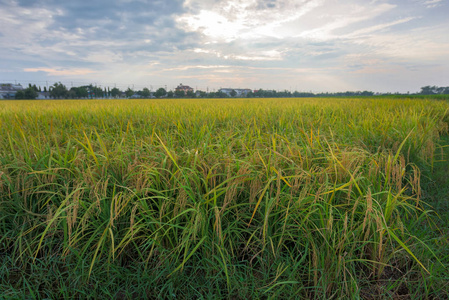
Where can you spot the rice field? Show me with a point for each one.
(324, 198)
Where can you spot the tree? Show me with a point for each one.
(58, 90)
(20, 95)
(221, 95)
(367, 93)
(428, 90)
(31, 93)
(72, 94)
(28, 93)
(250, 94)
(218, 94)
(161, 92)
(82, 92)
(431, 90)
(202, 94)
(78, 92)
(179, 94)
(145, 93)
(259, 93)
(190, 94)
(115, 92)
(95, 91)
(34, 87)
(98, 92)
(233, 93)
(129, 92)
(170, 94)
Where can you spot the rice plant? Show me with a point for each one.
(223, 198)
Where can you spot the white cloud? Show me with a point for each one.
(271, 55)
(233, 19)
(105, 56)
(268, 55)
(61, 71)
(375, 28)
(345, 17)
(432, 3)
(25, 24)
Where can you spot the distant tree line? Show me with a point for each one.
(60, 91)
(29, 93)
(286, 94)
(434, 90)
(264, 94)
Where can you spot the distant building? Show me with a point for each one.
(43, 95)
(9, 90)
(238, 92)
(184, 88)
(135, 96)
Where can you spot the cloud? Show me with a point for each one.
(325, 44)
(230, 20)
(61, 71)
(97, 32)
(344, 18)
(376, 28)
(432, 3)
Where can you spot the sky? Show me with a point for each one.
(303, 45)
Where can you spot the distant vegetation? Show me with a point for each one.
(323, 198)
(60, 91)
(29, 93)
(434, 90)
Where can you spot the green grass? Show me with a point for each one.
(224, 198)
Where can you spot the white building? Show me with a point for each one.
(43, 95)
(9, 90)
